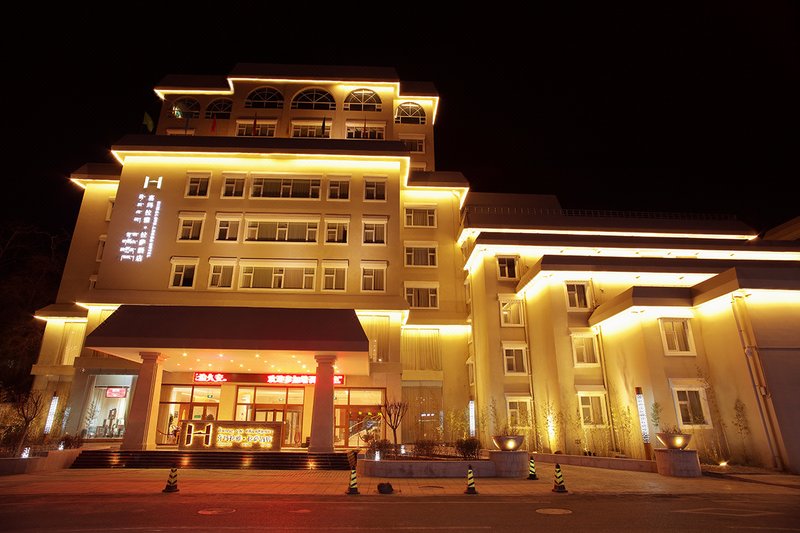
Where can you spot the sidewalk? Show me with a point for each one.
(577, 480)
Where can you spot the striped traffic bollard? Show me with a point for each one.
(172, 480)
(353, 488)
(558, 485)
(470, 482)
(532, 469)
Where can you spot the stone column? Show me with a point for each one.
(140, 427)
(322, 415)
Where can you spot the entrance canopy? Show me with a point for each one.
(235, 339)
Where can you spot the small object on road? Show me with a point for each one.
(172, 480)
(470, 482)
(558, 485)
(353, 488)
(385, 488)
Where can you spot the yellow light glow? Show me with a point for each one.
(445, 329)
(773, 296)
(432, 101)
(60, 319)
(393, 314)
(84, 182)
(98, 306)
(642, 279)
(346, 83)
(421, 194)
(606, 233)
(551, 428)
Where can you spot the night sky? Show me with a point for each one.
(687, 109)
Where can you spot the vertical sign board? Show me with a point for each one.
(137, 243)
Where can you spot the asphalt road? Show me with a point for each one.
(178, 512)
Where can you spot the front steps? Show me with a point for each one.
(235, 460)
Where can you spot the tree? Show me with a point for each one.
(393, 413)
(27, 406)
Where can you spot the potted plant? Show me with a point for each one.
(673, 438)
(508, 438)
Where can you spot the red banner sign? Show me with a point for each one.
(269, 379)
(116, 392)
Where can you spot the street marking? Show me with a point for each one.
(545, 510)
(725, 512)
(216, 510)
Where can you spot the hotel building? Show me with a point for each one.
(283, 251)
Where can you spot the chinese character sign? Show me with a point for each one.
(137, 243)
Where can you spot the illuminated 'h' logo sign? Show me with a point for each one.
(191, 432)
(149, 181)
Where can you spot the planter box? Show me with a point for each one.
(509, 464)
(422, 468)
(53, 460)
(612, 463)
(678, 463)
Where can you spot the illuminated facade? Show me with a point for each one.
(229, 248)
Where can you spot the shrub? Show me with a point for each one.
(468, 448)
(424, 448)
(72, 441)
(383, 445)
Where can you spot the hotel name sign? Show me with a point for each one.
(269, 379)
(230, 435)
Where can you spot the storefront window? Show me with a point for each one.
(357, 416)
(184, 402)
(107, 411)
(273, 404)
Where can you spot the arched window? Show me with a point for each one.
(186, 108)
(264, 98)
(362, 100)
(409, 113)
(219, 108)
(313, 99)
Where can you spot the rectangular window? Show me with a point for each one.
(190, 228)
(262, 129)
(422, 297)
(583, 350)
(227, 230)
(577, 296)
(368, 131)
(233, 187)
(336, 232)
(507, 268)
(311, 129)
(511, 312)
(375, 190)
(692, 408)
(373, 278)
(183, 272)
(515, 357)
(339, 189)
(676, 336)
(415, 145)
(334, 276)
(593, 409)
(273, 231)
(519, 411)
(375, 232)
(221, 275)
(197, 185)
(420, 217)
(284, 188)
(420, 349)
(423, 256)
(270, 276)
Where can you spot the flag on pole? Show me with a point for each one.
(364, 133)
(323, 127)
(147, 121)
(255, 124)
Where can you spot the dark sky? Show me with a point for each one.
(691, 108)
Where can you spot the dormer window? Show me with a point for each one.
(314, 99)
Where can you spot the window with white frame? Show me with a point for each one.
(186, 108)
(220, 108)
(515, 358)
(227, 227)
(314, 98)
(256, 128)
(183, 272)
(263, 187)
(190, 226)
(362, 100)
(264, 98)
(365, 130)
(374, 230)
(373, 276)
(375, 189)
(272, 230)
(233, 187)
(338, 189)
(577, 295)
(101, 247)
(409, 113)
(507, 267)
(414, 143)
(584, 349)
(676, 336)
(511, 312)
(311, 129)
(420, 216)
(197, 185)
(71, 342)
(593, 409)
(691, 403)
(422, 294)
(334, 275)
(518, 411)
(420, 254)
(221, 272)
(336, 230)
(277, 275)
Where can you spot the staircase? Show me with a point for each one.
(229, 460)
